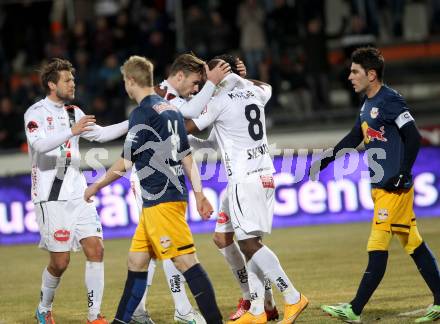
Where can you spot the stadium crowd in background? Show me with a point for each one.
(282, 42)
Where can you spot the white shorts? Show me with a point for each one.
(247, 208)
(63, 224)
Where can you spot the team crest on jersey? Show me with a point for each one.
(374, 112)
(32, 126)
(165, 242)
(382, 214)
(50, 125)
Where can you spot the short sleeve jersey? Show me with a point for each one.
(156, 143)
(380, 119)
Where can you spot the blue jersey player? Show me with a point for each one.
(157, 144)
(385, 124)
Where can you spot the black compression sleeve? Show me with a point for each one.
(351, 140)
(411, 142)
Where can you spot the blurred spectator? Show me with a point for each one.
(219, 34)
(11, 125)
(282, 26)
(79, 38)
(197, 31)
(57, 45)
(355, 36)
(251, 18)
(316, 63)
(435, 17)
(366, 10)
(122, 34)
(103, 39)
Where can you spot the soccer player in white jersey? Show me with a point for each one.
(238, 122)
(182, 84)
(224, 235)
(66, 222)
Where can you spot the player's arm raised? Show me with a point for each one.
(204, 207)
(194, 107)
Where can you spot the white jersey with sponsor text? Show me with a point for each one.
(43, 120)
(239, 125)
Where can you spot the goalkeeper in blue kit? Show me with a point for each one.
(384, 123)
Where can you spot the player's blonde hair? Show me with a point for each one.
(139, 69)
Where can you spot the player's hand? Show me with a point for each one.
(241, 68)
(204, 207)
(89, 193)
(402, 180)
(218, 72)
(317, 167)
(83, 125)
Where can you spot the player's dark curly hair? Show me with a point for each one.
(50, 72)
(369, 58)
(231, 59)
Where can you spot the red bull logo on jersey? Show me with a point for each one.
(61, 235)
(371, 134)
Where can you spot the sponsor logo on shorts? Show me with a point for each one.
(382, 214)
(267, 182)
(165, 242)
(61, 235)
(223, 218)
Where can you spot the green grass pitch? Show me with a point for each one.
(324, 262)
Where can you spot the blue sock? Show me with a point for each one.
(203, 293)
(377, 264)
(427, 265)
(133, 292)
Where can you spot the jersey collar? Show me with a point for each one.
(170, 90)
(53, 105)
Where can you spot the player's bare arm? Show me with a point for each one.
(191, 127)
(116, 171)
(204, 207)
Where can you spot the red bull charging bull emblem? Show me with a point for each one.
(371, 134)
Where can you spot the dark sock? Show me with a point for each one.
(427, 265)
(203, 293)
(133, 292)
(377, 263)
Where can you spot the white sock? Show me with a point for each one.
(269, 301)
(49, 284)
(94, 278)
(237, 264)
(269, 264)
(141, 309)
(256, 287)
(176, 282)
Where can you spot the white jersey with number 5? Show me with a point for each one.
(239, 124)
